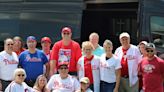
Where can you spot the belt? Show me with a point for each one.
(125, 76)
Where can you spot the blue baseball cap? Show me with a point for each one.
(31, 38)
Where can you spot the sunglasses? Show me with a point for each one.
(63, 68)
(88, 49)
(149, 51)
(10, 44)
(66, 33)
(21, 75)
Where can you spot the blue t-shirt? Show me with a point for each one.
(99, 51)
(32, 63)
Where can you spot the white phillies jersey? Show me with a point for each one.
(133, 56)
(95, 64)
(15, 87)
(8, 63)
(108, 68)
(56, 84)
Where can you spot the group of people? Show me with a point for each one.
(70, 68)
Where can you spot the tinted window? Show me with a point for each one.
(157, 30)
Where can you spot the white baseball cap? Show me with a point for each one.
(85, 80)
(143, 42)
(124, 34)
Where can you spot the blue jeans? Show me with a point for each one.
(107, 87)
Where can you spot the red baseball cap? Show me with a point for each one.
(63, 63)
(46, 39)
(66, 29)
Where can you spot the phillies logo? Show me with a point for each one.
(148, 68)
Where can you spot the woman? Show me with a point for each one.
(18, 45)
(40, 84)
(142, 49)
(88, 66)
(18, 84)
(109, 69)
(141, 46)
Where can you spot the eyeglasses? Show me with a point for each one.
(10, 44)
(21, 75)
(88, 49)
(61, 68)
(149, 51)
(66, 33)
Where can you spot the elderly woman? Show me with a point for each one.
(88, 66)
(18, 84)
(110, 69)
(18, 45)
(40, 84)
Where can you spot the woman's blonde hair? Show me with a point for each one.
(87, 43)
(36, 85)
(108, 42)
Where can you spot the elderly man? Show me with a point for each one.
(152, 70)
(8, 63)
(63, 82)
(94, 39)
(129, 56)
(32, 60)
(65, 50)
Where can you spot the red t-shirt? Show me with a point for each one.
(70, 53)
(19, 52)
(152, 72)
(124, 64)
(88, 68)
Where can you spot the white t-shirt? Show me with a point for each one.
(15, 87)
(8, 63)
(70, 84)
(108, 68)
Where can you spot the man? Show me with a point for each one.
(63, 82)
(65, 50)
(94, 39)
(32, 60)
(152, 70)
(46, 44)
(8, 63)
(129, 56)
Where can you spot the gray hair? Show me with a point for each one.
(19, 70)
(93, 34)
